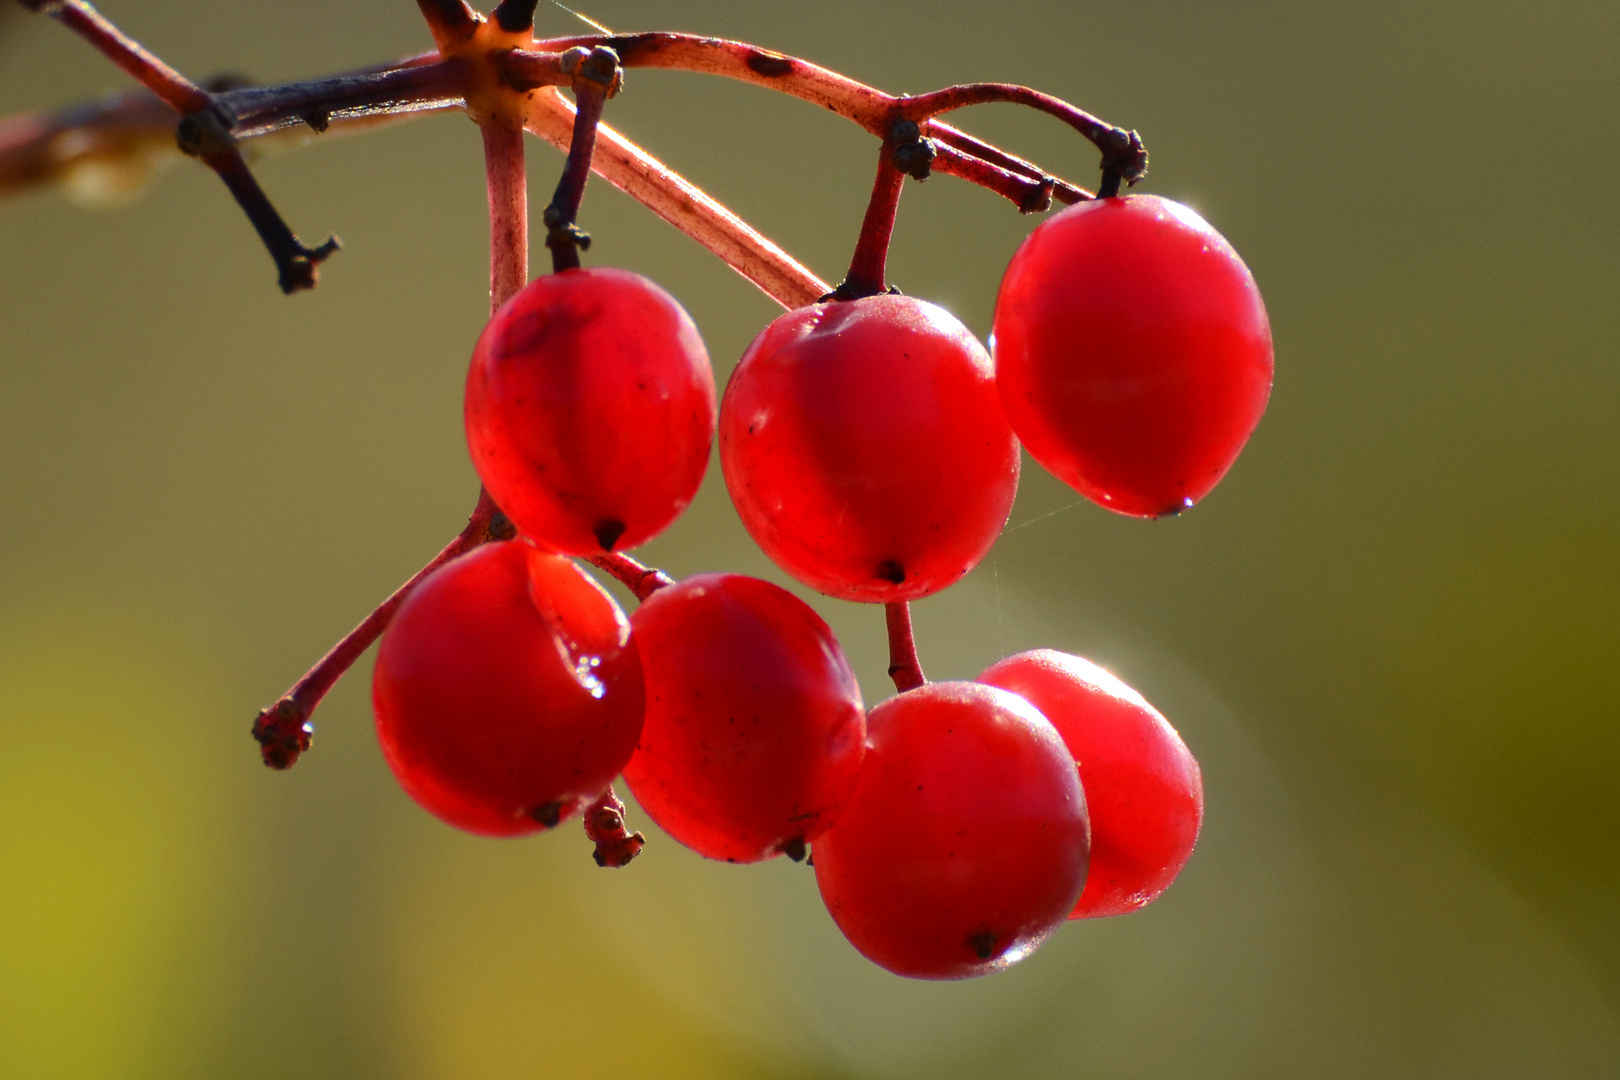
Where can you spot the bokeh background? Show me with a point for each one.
(1392, 635)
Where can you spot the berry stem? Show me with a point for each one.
(604, 824)
(283, 730)
(641, 580)
(904, 667)
(596, 77)
(508, 209)
(866, 269)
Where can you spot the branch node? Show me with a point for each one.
(1123, 153)
(913, 154)
(599, 65)
(562, 233)
(206, 133)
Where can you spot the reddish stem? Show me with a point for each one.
(641, 580)
(904, 667)
(1121, 149)
(866, 269)
(1029, 195)
(604, 824)
(508, 209)
(866, 105)
(180, 92)
(284, 730)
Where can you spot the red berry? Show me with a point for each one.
(507, 690)
(965, 843)
(865, 448)
(590, 410)
(754, 733)
(1132, 352)
(1142, 784)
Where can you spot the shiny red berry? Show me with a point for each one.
(1143, 787)
(507, 691)
(590, 410)
(865, 448)
(1132, 352)
(965, 843)
(755, 732)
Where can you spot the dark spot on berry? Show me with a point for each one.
(891, 571)
(769, 64)
(983, 944)
(548, 815)
(608, 531)
(793, 849)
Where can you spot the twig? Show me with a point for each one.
(284, 730)
(596, 77)
(508, 209)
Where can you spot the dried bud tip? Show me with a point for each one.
(283, 732)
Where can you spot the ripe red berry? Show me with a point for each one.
(590, 410)
(1132, 352)
(1143, 787)
(965, 843)
(755, 732)
(507, 690)
(865, 448)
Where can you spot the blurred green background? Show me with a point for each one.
(1391, 636)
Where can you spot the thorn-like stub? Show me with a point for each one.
(1038, 198)
(515, 16)
(283, 732)
(297, 270)
(560, 232)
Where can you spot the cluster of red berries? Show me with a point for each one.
(870, 446)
